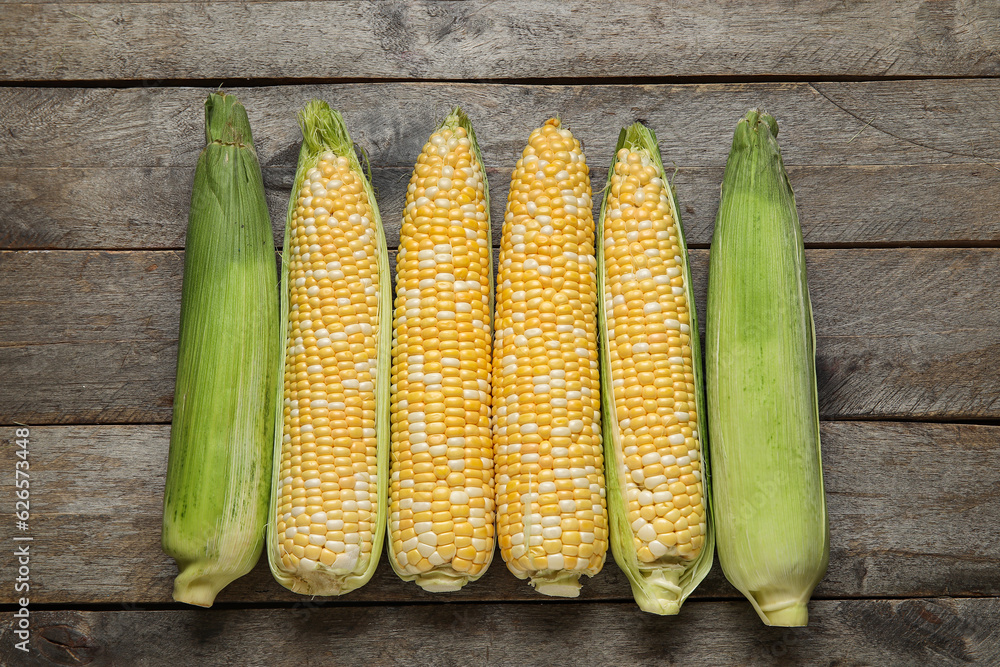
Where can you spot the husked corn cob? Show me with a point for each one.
(215, 502)
(767, 491)
(441, 522)
(331, 450)
(551, 518)
(661, 535)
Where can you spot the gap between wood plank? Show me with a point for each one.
(554, 81)
(339, 603)
(918, 245)
(916, 419)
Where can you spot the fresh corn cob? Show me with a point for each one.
(767, 484)
(215, 502)
(661, 534)
(332, 433)
(551, 517)
(441, 521)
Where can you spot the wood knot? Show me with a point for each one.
(66, 645)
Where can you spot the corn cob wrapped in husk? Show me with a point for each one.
(767, 479)
(655, 440)
(552, 523)
(215, 502)
(328, 507)
(441, 486)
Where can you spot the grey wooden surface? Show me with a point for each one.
(887, 163)
(843, 632)
(890, 128)
(479, 39)
(901, 333)
(911, 523)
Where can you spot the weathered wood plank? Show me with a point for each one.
(902, 333)
(98, 207)
(886, 123)
(905, 334)
(913, 509)
(849, 632)
(483, 40)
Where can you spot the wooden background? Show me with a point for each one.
(891, 133)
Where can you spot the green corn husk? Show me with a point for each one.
(658, 589)
(324, 131)
(215, 503)
(767, 485)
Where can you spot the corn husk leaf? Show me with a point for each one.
(215, 502)
(323, 131)
(772, 530)
(658, 589)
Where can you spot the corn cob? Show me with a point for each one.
(215, 502)
(441, 489)
(551, 518)
(661, 534)
(773, 535)
(332, 433)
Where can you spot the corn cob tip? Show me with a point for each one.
(323, 129)
(455, 118)
(226, 121)
(637, 137)
(755, 118)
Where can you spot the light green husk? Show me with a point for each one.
(448, 580)
(215, 502)
(773, 534)
(323, 131)
(658, 589)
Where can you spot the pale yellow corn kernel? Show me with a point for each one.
(330, 370)
(441, 445)
(551, 507)
(652, 364)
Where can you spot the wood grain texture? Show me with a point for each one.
(930, 122)
(98, 207)
(488, 40)
(908, 504)
(901, 333)
(849, 632)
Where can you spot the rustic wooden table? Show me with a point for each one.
(889, 126)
